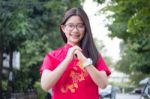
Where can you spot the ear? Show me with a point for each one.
(63, 28)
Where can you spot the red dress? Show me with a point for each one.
(75, 83)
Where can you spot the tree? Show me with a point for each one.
(31, 27)
(15, 29)
(131, 22)
(48, 16)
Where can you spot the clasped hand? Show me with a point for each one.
(76, 51)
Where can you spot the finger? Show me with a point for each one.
(77, 53)
(77, 48)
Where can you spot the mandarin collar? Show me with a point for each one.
(67, 46)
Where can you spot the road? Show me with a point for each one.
(127, 96)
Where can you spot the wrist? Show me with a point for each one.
(87, 62)
(67, 59)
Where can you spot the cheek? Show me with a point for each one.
(67, 34)
(82, 34)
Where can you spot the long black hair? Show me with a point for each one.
(87, 42)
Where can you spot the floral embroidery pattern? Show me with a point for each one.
(75, 78)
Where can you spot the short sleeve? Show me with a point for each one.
(49, 63)
(101, 66)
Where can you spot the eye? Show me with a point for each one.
(80, 25)
(70, 25)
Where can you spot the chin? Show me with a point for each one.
(75, 42)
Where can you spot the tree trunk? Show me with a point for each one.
(1, 66)
(10, 75)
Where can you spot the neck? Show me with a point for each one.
(73, 44)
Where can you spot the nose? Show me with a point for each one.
(75, 29)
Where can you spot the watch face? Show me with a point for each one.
(87, 62)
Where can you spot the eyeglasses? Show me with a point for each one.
(79, 27)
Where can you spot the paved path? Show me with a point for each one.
(127, 96)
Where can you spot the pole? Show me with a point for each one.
(1, 66)
(10, 75)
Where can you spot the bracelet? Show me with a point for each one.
(88, 62)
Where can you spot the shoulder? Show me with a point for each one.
(100, 60)
(56, 52)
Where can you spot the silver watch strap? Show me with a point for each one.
(87, 62)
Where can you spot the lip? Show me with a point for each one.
(75, 35)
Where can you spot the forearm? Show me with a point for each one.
(50, 78)
(99, 77)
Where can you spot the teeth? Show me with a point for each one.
(75, 35)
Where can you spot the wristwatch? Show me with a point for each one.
(87, 63)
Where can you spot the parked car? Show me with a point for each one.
(146, 92)
(108, 92)
(136, 91)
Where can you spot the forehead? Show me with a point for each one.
(74, 19)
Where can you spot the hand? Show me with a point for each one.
(71, 51)
(80, 55)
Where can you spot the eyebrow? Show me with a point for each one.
(75, 24)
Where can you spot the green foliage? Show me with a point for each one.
(4, 83)
(41, 93)
(99, 1)
(22, 81)
(137, 76)
(14, 27)
(131, 24)
(32, 27)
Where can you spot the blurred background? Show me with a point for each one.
(30, 28)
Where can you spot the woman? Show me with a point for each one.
(76, 70)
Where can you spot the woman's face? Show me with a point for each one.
(74, 30)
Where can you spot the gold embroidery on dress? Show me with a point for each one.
(80, 65)
(76, 77)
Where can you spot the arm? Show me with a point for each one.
(50, 78)
(99, 77)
